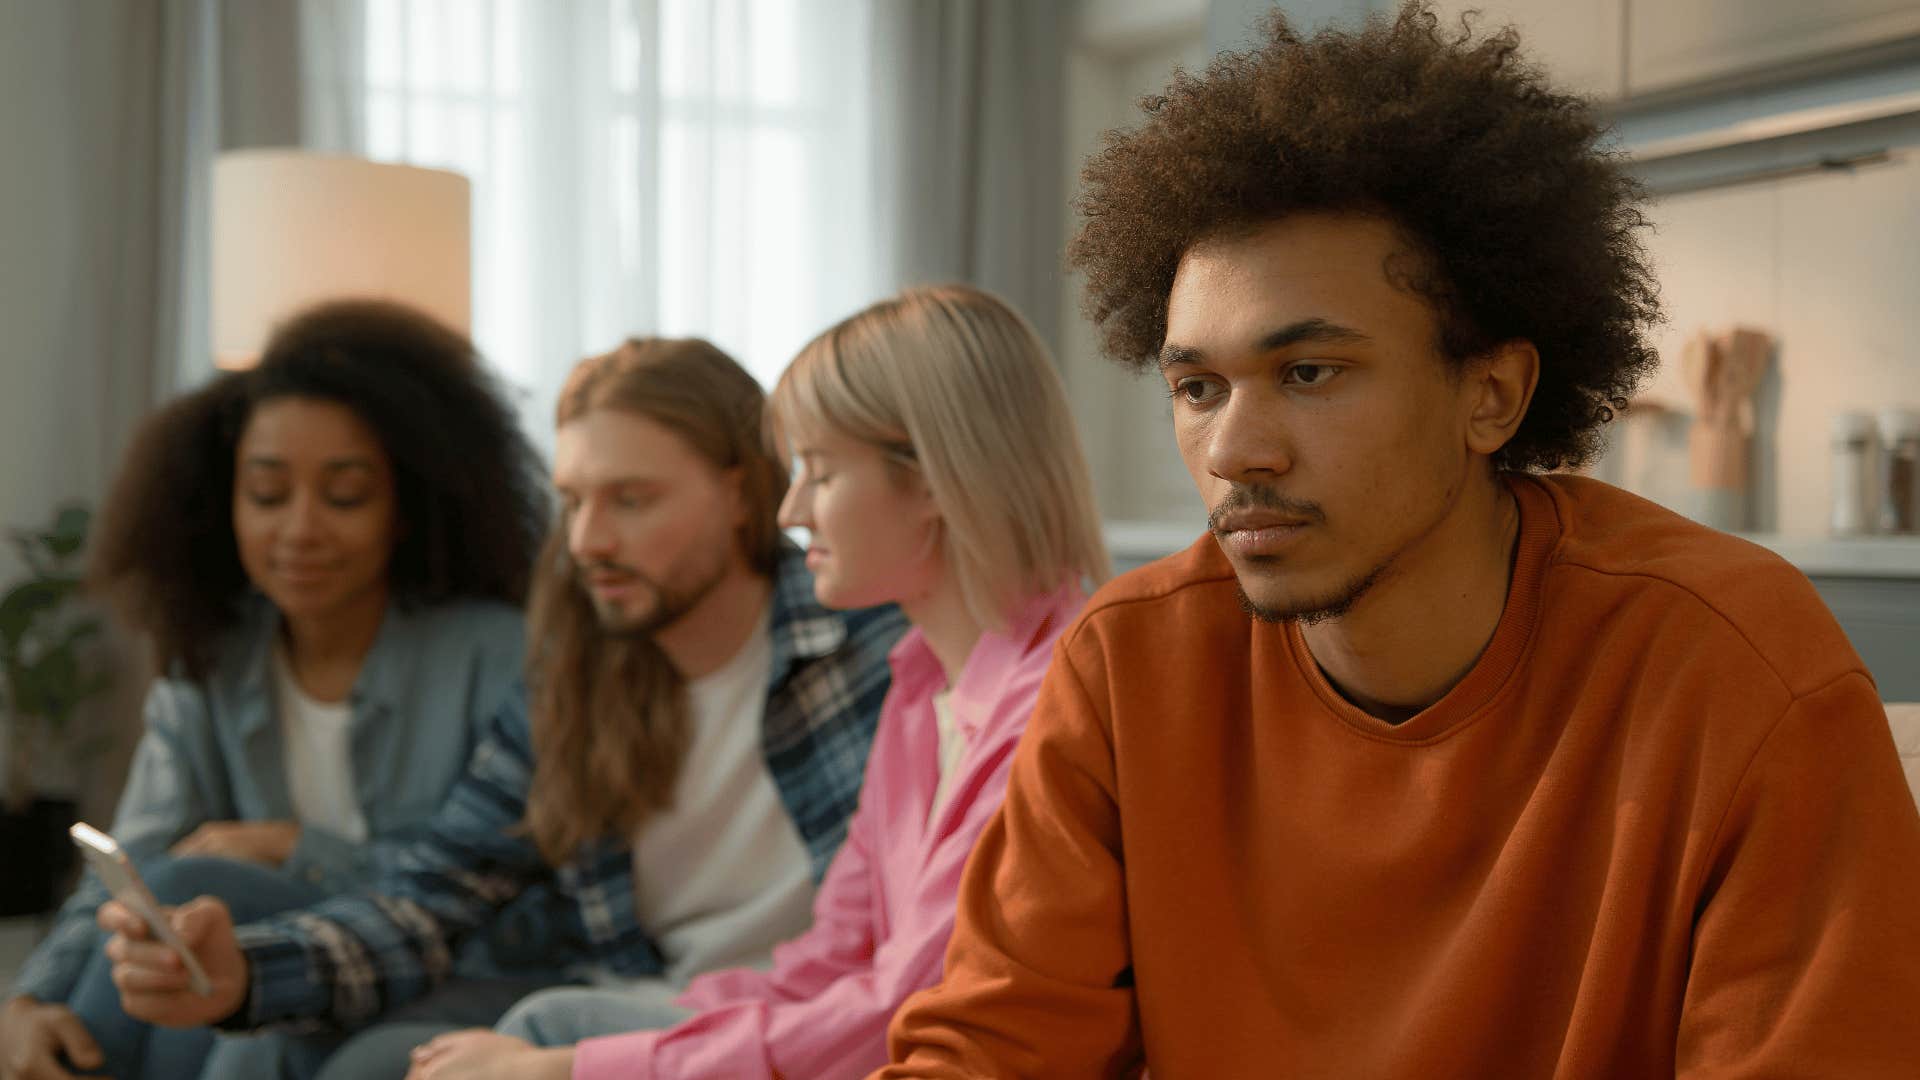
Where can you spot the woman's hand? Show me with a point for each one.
(268, 842)
(479, 1054)
(33, 1037)
(153, 982)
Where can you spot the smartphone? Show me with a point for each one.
(121, 879)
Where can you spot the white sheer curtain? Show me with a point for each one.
(675, 167)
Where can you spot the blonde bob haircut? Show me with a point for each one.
(951, 382)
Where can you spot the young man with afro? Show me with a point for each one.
(1430, 761)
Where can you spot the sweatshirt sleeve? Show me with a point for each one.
(1805, 946)
(1038, 975)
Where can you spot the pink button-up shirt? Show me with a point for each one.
(883, 915)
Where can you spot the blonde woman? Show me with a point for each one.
(938, 470)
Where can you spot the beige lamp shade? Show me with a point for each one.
(292, 229)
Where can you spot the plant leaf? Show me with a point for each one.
(24, 603)
(69, 533)
(78, 634)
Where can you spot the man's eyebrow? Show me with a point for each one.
(1170, 355)
(1317, 331)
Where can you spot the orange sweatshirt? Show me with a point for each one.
(1659, 829)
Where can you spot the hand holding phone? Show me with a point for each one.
(177, 967)
(123, 881)
(153, 981)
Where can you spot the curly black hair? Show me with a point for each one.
(1523, 228)
(470, 488)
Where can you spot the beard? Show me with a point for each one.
(1314, 609)
(1307, 610)
(670, 604)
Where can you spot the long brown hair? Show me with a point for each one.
(610, 713)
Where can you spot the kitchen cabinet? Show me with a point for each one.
(1672, 45)
(1620, 50)
(1580, 42)
(1882, 619)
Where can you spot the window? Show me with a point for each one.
(674, 167)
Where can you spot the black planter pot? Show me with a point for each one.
(37, 858)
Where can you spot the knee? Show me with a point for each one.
(539, 1017)
(250, 890)
(270, 1054)
(178, 880)
(381, 1052)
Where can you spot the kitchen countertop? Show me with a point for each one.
(1865, 557)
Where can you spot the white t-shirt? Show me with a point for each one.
(318, 757)
(722, 876)
(953, 747)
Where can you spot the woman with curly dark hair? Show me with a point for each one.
(328, 553)
(1423, 761)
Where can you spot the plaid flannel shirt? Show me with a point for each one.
(344, 961)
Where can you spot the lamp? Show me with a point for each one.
(292, 229)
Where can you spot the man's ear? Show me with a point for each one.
(1499, 388)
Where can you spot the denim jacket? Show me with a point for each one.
(213, 751)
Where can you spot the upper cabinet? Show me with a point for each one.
(1581, 42)
(1679, 43)
(1623, 49)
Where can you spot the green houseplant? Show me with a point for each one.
(47, 671)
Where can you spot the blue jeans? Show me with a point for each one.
(382, 1051)
(565, 1015)
(558, 1016)
(135, 1050)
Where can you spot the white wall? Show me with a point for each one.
(1123, 50)
(1235, 24)
(1830, 265)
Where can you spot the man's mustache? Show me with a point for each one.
(583, 571)
(1256, 497)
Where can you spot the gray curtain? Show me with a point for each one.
(111, 112)
(78, 216)
(115, 111)
(969, 107)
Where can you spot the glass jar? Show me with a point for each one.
(1900, 494)
(1853, 474)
